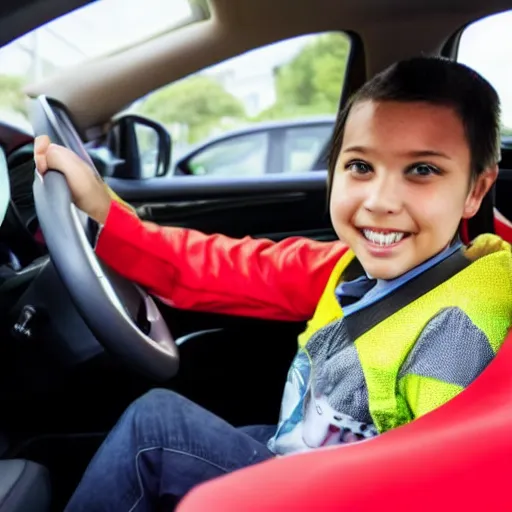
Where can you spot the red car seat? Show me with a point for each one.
(455, 458)
(503, 229)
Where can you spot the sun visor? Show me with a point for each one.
(5, 189)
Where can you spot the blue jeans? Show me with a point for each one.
(162, 446)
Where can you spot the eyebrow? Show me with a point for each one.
(422, 153)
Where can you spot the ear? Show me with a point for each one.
(480, 187)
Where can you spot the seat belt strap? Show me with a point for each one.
(361, 321)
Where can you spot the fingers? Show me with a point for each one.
(64, 160)
(52, 156)
(41, 145)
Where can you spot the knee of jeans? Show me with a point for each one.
(154, 400)
(148, 413)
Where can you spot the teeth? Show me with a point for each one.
(383, 238)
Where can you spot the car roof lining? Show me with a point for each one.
(389, 31)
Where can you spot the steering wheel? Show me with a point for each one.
(121, 315)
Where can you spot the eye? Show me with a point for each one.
(358, 167)
(423, 170)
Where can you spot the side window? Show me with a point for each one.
(245, 155)
(486, 47)
(303, 145)
(286, 85)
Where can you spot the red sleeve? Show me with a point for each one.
(218, 274)
(455, 458)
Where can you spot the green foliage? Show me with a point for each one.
(311, 82)
(198, 102)
(506, 131)
(282, 110)
(11, 93)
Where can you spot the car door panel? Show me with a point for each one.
(192, 187)
(273, 206)
(274, 217)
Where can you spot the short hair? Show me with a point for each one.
(438, 81)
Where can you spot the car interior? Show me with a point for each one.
(65, 377)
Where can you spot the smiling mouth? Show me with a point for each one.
(384, 238)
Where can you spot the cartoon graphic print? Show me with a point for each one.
(294, 393)
(325, 400)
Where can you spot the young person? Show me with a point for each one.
(414, 153)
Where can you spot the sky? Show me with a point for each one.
(107, 25)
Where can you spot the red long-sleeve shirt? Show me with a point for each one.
(214, 273)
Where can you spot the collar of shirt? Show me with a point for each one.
(369, 290)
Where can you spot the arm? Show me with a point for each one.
(280, 281)
(218, 274)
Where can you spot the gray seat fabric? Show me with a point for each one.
(24, 486)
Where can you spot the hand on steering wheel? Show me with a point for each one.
(122, 316)
(87, 189)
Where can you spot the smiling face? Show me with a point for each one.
(402, 184)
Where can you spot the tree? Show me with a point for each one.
(198, 102)
(311, 82)
(11, 93)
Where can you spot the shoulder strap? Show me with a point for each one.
(365, 319)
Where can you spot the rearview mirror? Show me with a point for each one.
(143, 146)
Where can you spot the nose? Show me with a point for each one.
(383, 195)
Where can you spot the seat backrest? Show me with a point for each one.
(482, 222)
(503, 228)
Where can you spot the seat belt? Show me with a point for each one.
(362, 320)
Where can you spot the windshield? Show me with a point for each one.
(95, 30)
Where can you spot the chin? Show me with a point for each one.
(387, 276)
(386, 271)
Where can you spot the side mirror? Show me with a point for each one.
(142, 145)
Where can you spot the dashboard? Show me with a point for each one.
(20, 239)
(19, 244)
